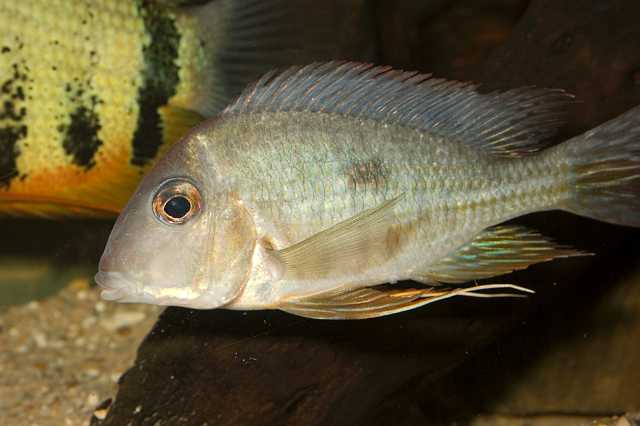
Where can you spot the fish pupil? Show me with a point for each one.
(177, 207)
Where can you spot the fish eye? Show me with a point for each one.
(177, 207)
(176, 201)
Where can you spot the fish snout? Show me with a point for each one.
(113, 286)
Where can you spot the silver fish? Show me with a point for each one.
(322, 182)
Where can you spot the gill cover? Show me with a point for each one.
(234, 241)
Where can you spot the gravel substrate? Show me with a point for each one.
(61, 357)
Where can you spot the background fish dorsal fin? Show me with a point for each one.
(508, 124)
(243, 39)
(370, 302)
(496, 251)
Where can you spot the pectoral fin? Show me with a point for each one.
(370, 303)
(343, 248)
(496, 251)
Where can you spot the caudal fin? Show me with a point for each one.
(605, 167)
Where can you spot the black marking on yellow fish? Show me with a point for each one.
(160, 78)
(80, 137)
(13, 128)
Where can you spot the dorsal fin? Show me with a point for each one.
(508, 124)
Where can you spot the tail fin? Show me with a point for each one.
(605, 168)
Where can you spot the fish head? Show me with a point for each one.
(183, 239)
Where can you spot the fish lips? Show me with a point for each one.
(115, 287)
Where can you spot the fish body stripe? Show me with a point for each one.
(12, 126)
(159, 81)
(80, 134)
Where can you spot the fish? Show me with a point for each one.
(321, 187)
(92, 93)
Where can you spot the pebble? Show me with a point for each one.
(92, 372)
(40, 339)
(101, 413)
(102, 410)
(92, 399)
(122, 319)
(89, 322)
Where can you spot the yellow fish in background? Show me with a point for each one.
(92, 92)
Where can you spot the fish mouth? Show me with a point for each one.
(113, 284)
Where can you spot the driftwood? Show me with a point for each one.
(232, 368)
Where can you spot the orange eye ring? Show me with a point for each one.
(176, 201)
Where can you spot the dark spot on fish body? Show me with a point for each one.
(160, 80)
(9, 111)
(6, 49)
(80, 137)
(9, 153)
(80, 133)
(394, 239)
(12, 127)
(19, 94)
(93, 57)
(370, 173)
(148, 135)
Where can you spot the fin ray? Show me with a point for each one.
(604, 166)
(370, 303)
(341, 247)
(248, 38)
(507, 124)
(496, 251)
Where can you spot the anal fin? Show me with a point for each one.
(370, 303)
(496, 251)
